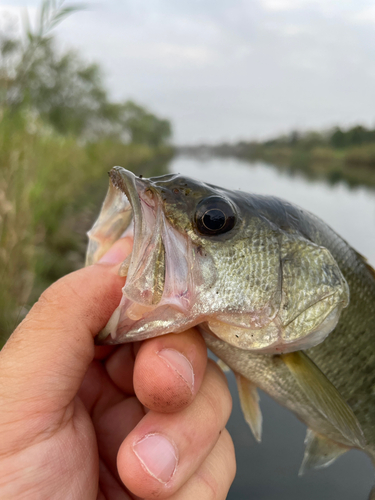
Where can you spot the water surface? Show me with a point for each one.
(269, 471)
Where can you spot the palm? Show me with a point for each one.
(64, 461)
(104, 414)
(108, 414)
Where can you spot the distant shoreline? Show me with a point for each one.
(353, 164)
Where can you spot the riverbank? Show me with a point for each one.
(353, 164)
(51, 189)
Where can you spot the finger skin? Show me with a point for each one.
(215, 476)
(120, 367)
(193, 432)
(107, 384)
(158, 384)
(58, 332)
(44, 361)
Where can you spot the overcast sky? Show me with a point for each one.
(233, 69)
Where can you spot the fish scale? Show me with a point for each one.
(262, 275)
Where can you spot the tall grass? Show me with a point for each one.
(51, 187)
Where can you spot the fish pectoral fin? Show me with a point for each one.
(324, 396)
(249, 399)
(320, 452)
(223, 366)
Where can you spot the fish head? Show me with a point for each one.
(204, 255)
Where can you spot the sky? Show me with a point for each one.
(228, 70)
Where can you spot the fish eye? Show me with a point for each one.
(214, 216)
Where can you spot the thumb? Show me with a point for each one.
(44, 361)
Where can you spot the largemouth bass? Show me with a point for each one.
(279, 297)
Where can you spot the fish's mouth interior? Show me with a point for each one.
(162, 270)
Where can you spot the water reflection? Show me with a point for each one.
(269, 471)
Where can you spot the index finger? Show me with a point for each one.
(44, 361)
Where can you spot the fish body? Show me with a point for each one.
(347, 355)
(279, 297)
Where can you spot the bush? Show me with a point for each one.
(361, 156)
(51, 188)
(59, 136)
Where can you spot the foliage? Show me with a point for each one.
(144, 127)
(59, 136)
(51, 188)
(67, 93)
(355, 136)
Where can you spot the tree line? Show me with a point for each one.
(337, 138)
(67, 93)
(60, 133)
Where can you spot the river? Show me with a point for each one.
(269, 471)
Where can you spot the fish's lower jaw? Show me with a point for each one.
(275, 338)
(262, 339)
(132, 321)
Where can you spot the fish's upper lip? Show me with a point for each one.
(125, 181)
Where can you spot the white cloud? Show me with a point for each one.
(168, 54)
(280, 5)
(329, 7)
(366, 15)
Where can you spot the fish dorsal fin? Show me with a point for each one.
(223, 366)
(249, 399)
(324, 396)
(320, 452)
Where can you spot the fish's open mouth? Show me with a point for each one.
(176, 279)
(161, 270)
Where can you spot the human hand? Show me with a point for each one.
(84, 422)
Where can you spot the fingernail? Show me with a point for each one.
(180, 364)
(158, 456)
(117, 253)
